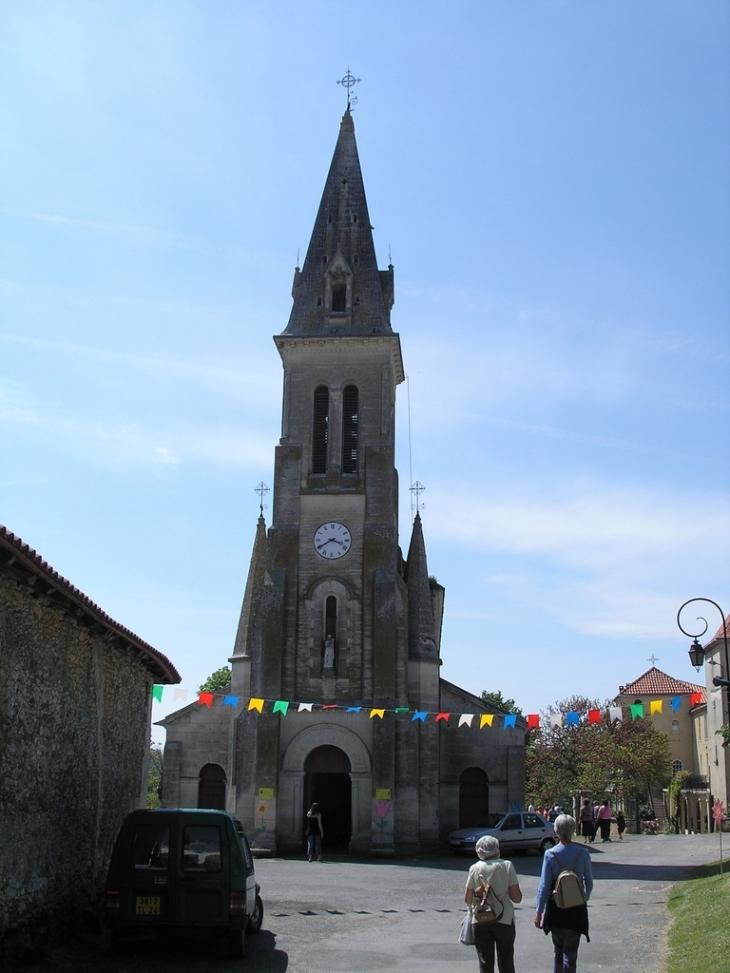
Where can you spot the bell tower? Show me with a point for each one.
(334, 530)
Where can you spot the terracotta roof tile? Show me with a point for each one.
(654, 682)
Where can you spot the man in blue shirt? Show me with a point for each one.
(566, 925)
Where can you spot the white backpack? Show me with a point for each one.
(568, 891)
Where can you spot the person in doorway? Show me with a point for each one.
(501, 876)
(604, 821)
(315, 833)
(566, 925)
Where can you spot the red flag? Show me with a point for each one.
(205, 699)
(533, 721)
(594, 716)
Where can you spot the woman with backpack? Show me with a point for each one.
(566, 924)
(491, 888)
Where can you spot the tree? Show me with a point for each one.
(496, 699)
(154, 776)
(219, 679)
(620, 758)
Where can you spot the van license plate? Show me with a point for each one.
(148, 905)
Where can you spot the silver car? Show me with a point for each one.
(514, 830)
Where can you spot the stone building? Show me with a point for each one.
(655, 691)
(336, 624)
(75, 693)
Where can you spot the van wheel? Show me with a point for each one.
(235, 943)
(256, 917)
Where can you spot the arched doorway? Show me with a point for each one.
(327, 781)
(212, 787)
(473, 798)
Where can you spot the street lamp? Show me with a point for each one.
(697, 653)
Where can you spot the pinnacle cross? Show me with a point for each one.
(349, 81)
(653, 659)
(417, 489)
(262, 490)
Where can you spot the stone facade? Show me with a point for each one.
(334, 617)
(75, 691)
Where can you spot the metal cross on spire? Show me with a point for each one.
(653, 659)
(349, 81)
(417, 489)
(262, 490)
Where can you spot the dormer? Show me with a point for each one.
(338, 291)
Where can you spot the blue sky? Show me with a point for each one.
(550, 180)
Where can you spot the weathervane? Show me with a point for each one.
(262, 490)
(417, 489)
(349, 81)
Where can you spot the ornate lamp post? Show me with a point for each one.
(697, 653)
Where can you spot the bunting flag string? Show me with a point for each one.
(593, 717)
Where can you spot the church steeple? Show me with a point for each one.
(340, 290)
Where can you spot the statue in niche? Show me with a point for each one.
(329, 653)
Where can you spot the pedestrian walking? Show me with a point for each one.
(620, 824)
(586, 821)
(604, 821)
(565, 925)
(499, 934)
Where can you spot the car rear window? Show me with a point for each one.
(151, 847)
(201, 848)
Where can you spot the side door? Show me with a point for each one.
(511, 832)
(249, 866)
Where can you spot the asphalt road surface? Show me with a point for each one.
(405, 915)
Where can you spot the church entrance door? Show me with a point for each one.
(473, 798)
(327, 782)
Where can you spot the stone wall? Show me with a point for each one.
(74, 740)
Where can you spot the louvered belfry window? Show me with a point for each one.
(320, 432)
(349, 429)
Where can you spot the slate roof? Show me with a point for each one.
(654, 682)
(31, 568)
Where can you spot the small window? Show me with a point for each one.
(201, 848)
(339, 297)
(350, 421)
(675, 726)
(151, 848)
(320, 431)
(677, 766)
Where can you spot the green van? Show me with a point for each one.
(175, 869)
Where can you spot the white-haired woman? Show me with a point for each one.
(566, 925)
(500, 875)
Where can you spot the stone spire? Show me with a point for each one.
(242, 651)
(340, 290)
(425, 600)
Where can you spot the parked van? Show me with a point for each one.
(182, 868)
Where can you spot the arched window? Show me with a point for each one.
(675, 726)
(677, 766)
(320, 430)
(349, 428)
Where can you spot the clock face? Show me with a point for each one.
(332, 540)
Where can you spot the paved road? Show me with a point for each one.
(405, 916)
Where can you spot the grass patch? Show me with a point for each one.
(699, 937)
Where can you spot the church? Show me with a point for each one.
(336, 694)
